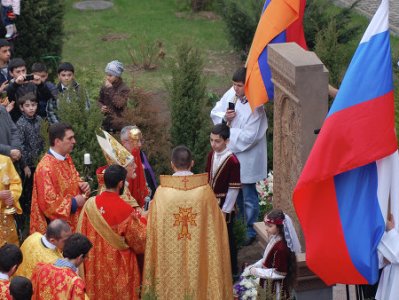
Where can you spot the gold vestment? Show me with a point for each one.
(34, 251)
(187, 250)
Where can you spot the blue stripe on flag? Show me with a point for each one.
(366, 83)
(264, 66)
(361, 217)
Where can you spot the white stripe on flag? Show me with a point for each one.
(379, 23)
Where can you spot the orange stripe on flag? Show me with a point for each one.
(278, 15)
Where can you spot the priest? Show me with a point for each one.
(118, 234)
(10, 191)
(58, 192)
(187, 252)
(47, 248)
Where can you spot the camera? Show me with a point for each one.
(29, 77)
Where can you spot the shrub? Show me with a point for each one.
(241, 19)
(85, 124)
(40, 29)
(190, 122)
(142, 113)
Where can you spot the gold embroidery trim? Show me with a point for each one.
(101, 226)
(184, 183)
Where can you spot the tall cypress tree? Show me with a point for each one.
(40, 29)
(188, 104)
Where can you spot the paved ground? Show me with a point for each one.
(369, 7)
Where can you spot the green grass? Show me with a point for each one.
(152, 19)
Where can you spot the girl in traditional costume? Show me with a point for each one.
(277, 268)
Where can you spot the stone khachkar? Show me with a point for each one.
(300, 107)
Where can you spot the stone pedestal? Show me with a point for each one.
(300, 107)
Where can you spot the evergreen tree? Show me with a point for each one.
(40, 29)
(188, 104)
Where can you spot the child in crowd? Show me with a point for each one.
(39, 69)
(10, 259)
(32, 146)
(5, 55)
(21, 84)
(10, 9)
(114, 95)
(67, 89)
(223, 170)
(277, 267)
(21, 288)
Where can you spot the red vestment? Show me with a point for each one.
(118, 235)
(56, 182)
(226, 176)
(5, 290)
(138, 186)
(56, 283)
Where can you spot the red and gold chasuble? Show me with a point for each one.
(187, 252)
(56, 283)
(5, 290)
(56, 182)
(117, 234)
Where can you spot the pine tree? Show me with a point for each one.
(188, 104)
(40, 29)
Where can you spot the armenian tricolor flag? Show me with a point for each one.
(281, 22)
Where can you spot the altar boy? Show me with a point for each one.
(223, 170)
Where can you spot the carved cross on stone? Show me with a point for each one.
(185, 217)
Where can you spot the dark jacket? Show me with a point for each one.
(9, 137)
(115, 98)
(32, 142)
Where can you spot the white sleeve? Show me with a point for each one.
(258, 264)
(230, 200)
(218, 112)
(16, 7)
(243, 139)
(389, 246)
(266, 273)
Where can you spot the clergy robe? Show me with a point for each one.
(388, 288)
(56, 182)
(118, 233)
(34, 251)
(5, 289)
(126, 193)
(59, 283)
(9, 180)
(138, 186)
(187, 250)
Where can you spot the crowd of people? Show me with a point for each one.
(131, 236)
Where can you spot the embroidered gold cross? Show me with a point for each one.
(185, 217)
(185, 180)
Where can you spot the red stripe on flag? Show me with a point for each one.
(278, 15)
(295, 32)
(369, 136)
(326, 252)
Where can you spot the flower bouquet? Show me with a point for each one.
(247, 287)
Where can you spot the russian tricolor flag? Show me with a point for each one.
(342, 195)
(281, 22)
